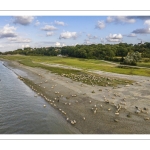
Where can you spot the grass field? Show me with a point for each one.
(144, 64)
(85, 64)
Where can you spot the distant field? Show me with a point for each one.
(85, 64)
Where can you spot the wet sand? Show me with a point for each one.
(121, 110)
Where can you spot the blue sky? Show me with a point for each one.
(44, 31)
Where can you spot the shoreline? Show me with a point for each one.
(89, 112)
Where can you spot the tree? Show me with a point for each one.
(122, 52)
(132, 58)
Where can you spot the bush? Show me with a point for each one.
(146, 60)
(132, 58)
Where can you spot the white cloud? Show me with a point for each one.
(91, 36)
(142, 31)
(57, 44)
(27, 45)
(8, 31)
(102, 40)
(1, 46)
(19, 40)
(100, 25)
(49, 28)
(68, 35)
(49, 33)
(125, 19)
(24, 46)
(147, 22)
(110, 19)
(63, 44)
(120, 19)
(114, 38)
(59, 23)
(131, 35)
(87, 42)
(23, 20)
(37, 23)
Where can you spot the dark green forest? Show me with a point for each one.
(111, 52)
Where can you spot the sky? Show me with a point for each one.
(44, 31)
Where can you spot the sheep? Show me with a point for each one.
(94, 111)
(146, 118)
(72, 122)
(116, 120)
(75, 121)
(117, 113)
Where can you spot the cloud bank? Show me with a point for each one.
(120, 19)
(60, 23)
(8, 31)
(114, 38)
(49, 33)
(23, 20)
(49, 28)
(142, 31)
(91, 36)
(19, 40)
(100, 25)
(68, 35)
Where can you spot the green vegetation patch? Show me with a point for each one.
(85, 64)
(76, 75)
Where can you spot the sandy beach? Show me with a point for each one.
(107, 110)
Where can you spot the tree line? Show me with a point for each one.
(112, 52)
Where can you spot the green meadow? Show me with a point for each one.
(84, 64)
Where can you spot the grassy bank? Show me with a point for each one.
(85, 64)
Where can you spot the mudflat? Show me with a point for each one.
(108, 110)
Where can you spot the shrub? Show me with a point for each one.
(132, 58)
